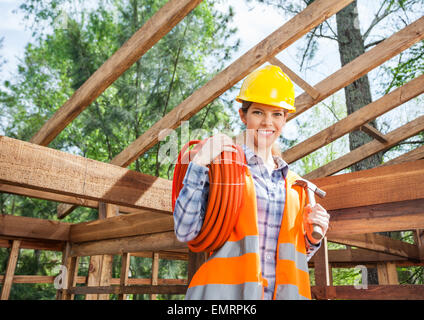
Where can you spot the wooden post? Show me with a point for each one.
(155, 272)
(10, 270)
(125, 266)
(387, 273)
(71, 264)
(322, 272)
(100, 270)
(195, 260)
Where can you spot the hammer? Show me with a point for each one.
(312, 189)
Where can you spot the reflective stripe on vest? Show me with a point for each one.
(244, 291)
(249, 244)
(288, 292)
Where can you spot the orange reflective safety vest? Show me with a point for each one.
(234, 270)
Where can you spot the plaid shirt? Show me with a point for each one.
(190, 208)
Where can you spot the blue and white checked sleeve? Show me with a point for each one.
(190, 206)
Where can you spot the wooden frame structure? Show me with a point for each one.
(360, 203)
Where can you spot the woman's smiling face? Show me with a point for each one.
(264, 122)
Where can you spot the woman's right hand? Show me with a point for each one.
(212, 148)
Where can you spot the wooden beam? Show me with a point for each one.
(387, 273)
(59, 198)
(150, 33)
(295, 78)
(416, 154)
(396, 216)
(154, 242)
(29, 165)
(357, 68)
(140, 289)
(280, 39)
(10, 270)
(155, 273)
(359, 118)
(373, 132)
(6, 242)
(373, 186)
(349, 258)
(121, 226)
(379, 243)
(125, 267)
(374, 292)
(322, 266)
(33, 228)
(393, 138)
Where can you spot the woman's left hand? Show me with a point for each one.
(315, 215)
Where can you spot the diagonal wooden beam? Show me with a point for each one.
(295, 78)
(294, 29)
(393, 138)
(357, 119)
(355, 69)
(373, 132)
(33, 228)
(150, 33)
(415, 154)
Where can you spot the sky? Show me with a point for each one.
(249, 19)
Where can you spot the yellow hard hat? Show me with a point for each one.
(268, 85)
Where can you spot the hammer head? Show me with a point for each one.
(309, 185)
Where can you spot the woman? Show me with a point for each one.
(266, 255)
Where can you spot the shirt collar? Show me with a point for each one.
(254, 159)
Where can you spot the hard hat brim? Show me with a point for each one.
(281, 104)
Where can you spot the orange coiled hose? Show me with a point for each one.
(226, 180)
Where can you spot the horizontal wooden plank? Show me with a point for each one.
(153, 242)
(379, 243)
(373, 292)
(5, 242)
(131, 51)
(373, 132)
(360, 66)
(139, 289)
(350, 257)
(395, 216)
(393, 138)
(32, 193)
(82, 279)
(373, 186)
(31, 166)
(295, 78)
(121, 226)
(25, 227)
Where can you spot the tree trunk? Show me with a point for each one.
(358, 94)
